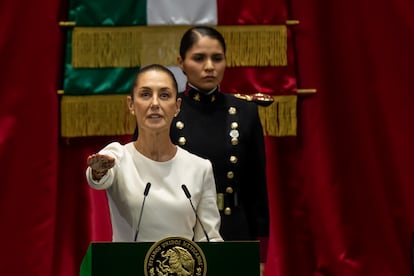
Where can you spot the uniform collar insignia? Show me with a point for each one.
(196, 97)
(201, 97)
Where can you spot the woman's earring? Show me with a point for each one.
(132, 112)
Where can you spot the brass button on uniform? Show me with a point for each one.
(234, 125)
(227, 211)
(234, 141)
(233, 159)
(230, 175)
(229, 190)
(232, 110)
(179, 125)
(182, 141)
(234, 133)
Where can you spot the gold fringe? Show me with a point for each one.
(97, 47)
(279, 119)
(256, 45)
(108, 115)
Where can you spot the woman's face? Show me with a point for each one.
(204, 63)
(155, 101)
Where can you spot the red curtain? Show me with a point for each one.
(347, 194)
(341, 196)
(29, 54)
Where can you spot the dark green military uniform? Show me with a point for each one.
(227, 131)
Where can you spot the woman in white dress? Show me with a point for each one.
(178, 180)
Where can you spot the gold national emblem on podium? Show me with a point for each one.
(175, 256)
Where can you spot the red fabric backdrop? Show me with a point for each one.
(29, 55)
(351, 212)
(341, 199)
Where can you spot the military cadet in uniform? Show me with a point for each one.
(226, 130)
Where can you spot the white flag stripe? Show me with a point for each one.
(181, 12)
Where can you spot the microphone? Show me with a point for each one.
(188, 195)
(146, 191)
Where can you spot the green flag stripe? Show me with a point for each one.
(108, 12)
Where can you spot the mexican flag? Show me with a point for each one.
(107, 41)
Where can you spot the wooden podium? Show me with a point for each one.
(132, 258)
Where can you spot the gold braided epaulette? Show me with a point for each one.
(258, 98)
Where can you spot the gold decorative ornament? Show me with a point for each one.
(82, 116)
(232, 110)
(233, 159)
(175, 256)
(234, 133)
(121, 46)
(179, 125)
(234, 141)
(182, 141)
(230, 175)
(220, 201)
(196, 97)
(259, 98)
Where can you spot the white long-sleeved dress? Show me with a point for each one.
(167, 211)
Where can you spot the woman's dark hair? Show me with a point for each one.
(154, 67)
(191, 36)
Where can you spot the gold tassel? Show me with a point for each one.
(98, 47)
(255, 45)
(106, 115)
(279, 119)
